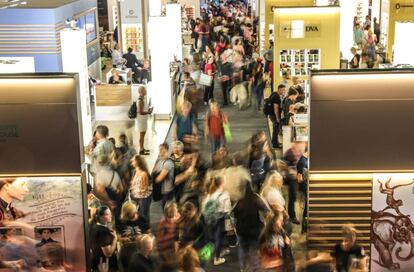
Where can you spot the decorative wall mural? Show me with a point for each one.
(392, 235)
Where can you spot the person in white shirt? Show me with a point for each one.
(116, 56)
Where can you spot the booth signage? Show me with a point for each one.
(307, 29)
(392, 244)
(130, 12)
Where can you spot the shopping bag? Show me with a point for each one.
(205, 80)
(227, 133)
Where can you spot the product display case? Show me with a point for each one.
(132, 36)
(297, 62)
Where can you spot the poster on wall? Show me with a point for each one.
(298, 62)
(90, 26)
(392, 242)
(42, 223)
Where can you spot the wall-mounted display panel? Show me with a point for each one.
(360, 121)
(45, 227)
(298, 62)
(39, 127)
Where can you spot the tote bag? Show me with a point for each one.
(205, 80)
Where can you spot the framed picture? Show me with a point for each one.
(50, 246)
(288, 58)
(302, 58)
(296, 58)
(316, 58)
(283, 58)
(310, 58)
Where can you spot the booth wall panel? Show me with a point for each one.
(280, 3)
(39, 126)
(326, 39)
(330, 208)
(358, 122)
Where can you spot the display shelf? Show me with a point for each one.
(189, 12)
(132, 37)
(297, 62)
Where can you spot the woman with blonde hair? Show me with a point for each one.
(143, 110)
(272, 191)
(130, 224)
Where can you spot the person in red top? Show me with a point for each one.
(209, 69)
(213, 126)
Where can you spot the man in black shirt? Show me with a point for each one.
(133, 63)
(275, 114)
(347, 250)
(226, 69)
(142, 261)
(248, 213)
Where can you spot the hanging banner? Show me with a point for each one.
(392, 242)
(42, 223)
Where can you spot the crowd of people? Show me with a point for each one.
(216, 203)
(366, 41)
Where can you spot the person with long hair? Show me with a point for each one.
(189, 226)
(103, 240)
(272, 244)
(215, 223)
(209, 69)
(141, 187)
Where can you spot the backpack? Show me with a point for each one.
(210, 211)
(268, 105)
(257, 170)
(132, 112)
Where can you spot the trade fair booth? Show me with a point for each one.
(133, 27)
(42, 26)
(307, 38)
(42, 157)
(361, 170)
(267, 28)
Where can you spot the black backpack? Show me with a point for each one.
(132, 112)
(268, 106)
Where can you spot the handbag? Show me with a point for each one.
(227, 133)
(205, 80)
(132, 112)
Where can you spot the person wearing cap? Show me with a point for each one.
(46, 237)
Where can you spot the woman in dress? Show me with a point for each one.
(141, 187)
(141, 122)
